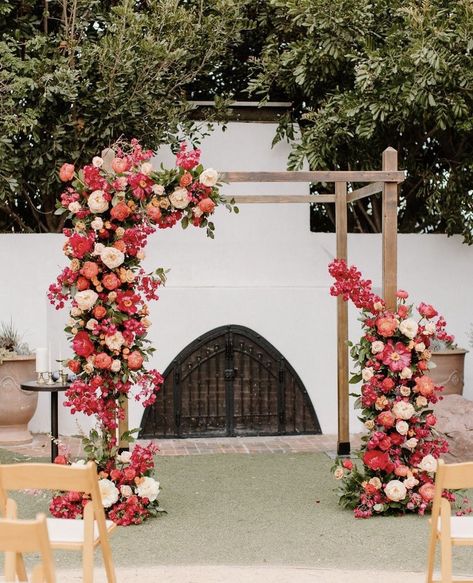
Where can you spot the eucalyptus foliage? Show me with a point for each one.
(75, 75)
(366, 74)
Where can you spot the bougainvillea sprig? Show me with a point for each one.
(113, 205)
(400, 451)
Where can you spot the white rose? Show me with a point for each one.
(420, 347)
(88, 368)
(338, 473)
(109, 492)
(158, 189)
(395, 490)
(421, 401)
(97, 224)
(197, 212)
(91, 324)
(410, 482)
(148, 488)
(378, 306)
(115, 366)
(378, 507)
(86, 299)
(75, 311)
(369, 424)
(97, 202)
(126, 491)
(74, 207)
(376, 482)
(403, 410)
(428, 463)
(124, 457)
(409, 327)
(377, 347)
(411, 443)
(402, 427)
(367, 374)
(179, 198)
(146, 168)
(209, 177)
(405, 391)
(429, 328)
(112, 257)
(406, 373)
(97, 161)
(98, 248)
(114, 341)
(79, 463)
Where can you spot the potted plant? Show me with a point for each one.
(17, 407)
(448, 362)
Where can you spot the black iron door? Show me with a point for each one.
(229, 382)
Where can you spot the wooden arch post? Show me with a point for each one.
(385, 181)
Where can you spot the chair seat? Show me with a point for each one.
(461, 527)
(71, 532)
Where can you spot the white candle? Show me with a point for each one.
(60, 361)
(41, 360)
(50, 367)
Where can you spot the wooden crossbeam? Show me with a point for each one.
(281, 198)
(316, 176)
(365, 191)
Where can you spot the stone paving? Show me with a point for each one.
(40, 447)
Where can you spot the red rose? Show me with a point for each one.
(61, 460)
(347, 464)
(102, 360)
(82, 344)
(111, 281)
(90, 270)
(206, 205)
(386, 419)
(66, 172)
(80, 245)
(120, 211)
(135, 360)
(427, 492)
(427, 310)
(74, 366)
(376, 460)
(82, 283)
(99, 312)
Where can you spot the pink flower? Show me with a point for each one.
(402, 294)
(187, 160)
(387, 325)
(427, 310)
(396, 356)
(66, 172)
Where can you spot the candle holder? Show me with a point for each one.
(62, 377)
(50, 380)
(42, 378)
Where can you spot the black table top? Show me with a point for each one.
(43, 388)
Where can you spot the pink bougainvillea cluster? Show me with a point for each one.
(112, 206)
(400, 450)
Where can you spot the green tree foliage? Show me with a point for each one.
(75, 75)
(365, 74)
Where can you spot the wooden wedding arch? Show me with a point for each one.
(385, 181)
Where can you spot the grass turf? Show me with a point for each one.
(275, 509)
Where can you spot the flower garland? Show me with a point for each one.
(114, 204)
(401, 449)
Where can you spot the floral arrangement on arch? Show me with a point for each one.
(114, 204)
(401, 449)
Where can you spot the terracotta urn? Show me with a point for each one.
(17, 406)
(449, 370)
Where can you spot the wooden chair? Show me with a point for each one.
(26, 536)
(69, 534)
(447, 529)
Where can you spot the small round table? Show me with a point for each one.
(54, 390)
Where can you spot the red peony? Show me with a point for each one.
(396, 356)
(376, 460)
(120, 211)
(427, 310)
(135, 360)
(127, 302)
(110, 281)
(102, 360)
(80, 245)
(82, 344)
(66, 172)
(74, 366)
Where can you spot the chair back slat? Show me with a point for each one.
(47, 477)
(455, 476)
(21, 536)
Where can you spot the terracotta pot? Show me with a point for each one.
(449, 370)
(17, 407)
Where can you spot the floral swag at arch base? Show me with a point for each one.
(114, 204)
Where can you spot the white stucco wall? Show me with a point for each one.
(264, 270)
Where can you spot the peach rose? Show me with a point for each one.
(66, 172)
(386, 326)
(82, 283)
(90, 270)
(427, 492)
(153, 212)
(185, 179)
(386, 419)
(425, 386)
(120, 165)
(120, 245)
(120, 211)
(206, 205)
(110, 281)
(401, 471)
(102, 360)
(99, 312)
(135, 360)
